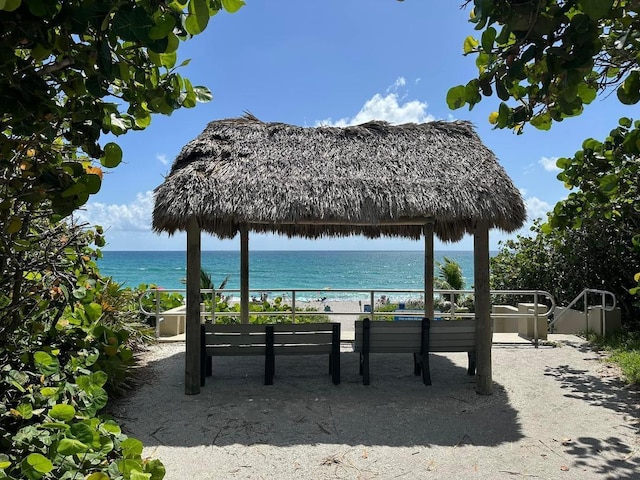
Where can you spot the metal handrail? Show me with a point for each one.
(454, 312)
(603, 303)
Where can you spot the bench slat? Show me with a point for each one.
(302, 327)
(301, 349)
(293, 338)
(235, 350)
(229, 339)
(233, 328)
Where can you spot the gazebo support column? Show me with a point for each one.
(428, 270)
(244, 274)
(192, 356)
(484, 329)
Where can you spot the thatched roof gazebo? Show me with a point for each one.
(374, 179)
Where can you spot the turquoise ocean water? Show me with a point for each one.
(321, 270)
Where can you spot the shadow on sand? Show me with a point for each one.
(611, 457)
(303, 407)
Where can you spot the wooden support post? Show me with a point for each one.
(192, 356)
(484, 329)
(428, 270)
(244, 274)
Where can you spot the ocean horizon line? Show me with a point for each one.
(288, 251)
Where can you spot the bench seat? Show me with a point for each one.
(416, 337)
(270, 341)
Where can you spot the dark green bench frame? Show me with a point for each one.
(417, 337)
(270, 341)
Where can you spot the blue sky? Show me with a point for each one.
(333, 62)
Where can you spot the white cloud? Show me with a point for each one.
(400, 82)
(388, 108)
(536, 208)
(549, 164)
(162, 158)
(135, 216)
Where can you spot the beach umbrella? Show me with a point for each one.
(243, 175)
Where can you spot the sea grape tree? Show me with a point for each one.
(72, 71)
(546, 60)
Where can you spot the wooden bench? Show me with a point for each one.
(269, 341)
(417, 337)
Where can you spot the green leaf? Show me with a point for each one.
(93, 311)
(71, 446)
(112, 155)
(5, 462)
(155, 468)
(168, 60)
(504, 114)
(163, 27)
(45, 363)
(48, 391)
(99, 378)
(62, 411)
(85, 434)
(14, 225)
(138, 475)
(625, 122)
(587, 93)
(629, 92)
(111, 427)
(10, 5)
(608, 183)
(55, 426)
(128, 465)
(92, 183)
(97, 476)
(198, 17)
(488, 37)
(73, 190)
(470, 44)
(25, 410)
(39, 463)
(232, 6)
(131, 447)
(596, 9)
(456, 97)
(203, 94)
(541, 121)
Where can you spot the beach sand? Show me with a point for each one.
(556, 413)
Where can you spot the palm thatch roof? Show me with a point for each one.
(373, 179)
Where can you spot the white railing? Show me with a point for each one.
(584, 295)
(294, 296)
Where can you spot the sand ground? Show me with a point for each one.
(557, 412)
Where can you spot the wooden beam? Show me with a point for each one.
(244, 274)
(428, 270)
(192, 356)
(408, 221)
(484, 329)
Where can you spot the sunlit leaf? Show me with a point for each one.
(470, 44)
(112, 155)
(456, 97)
(62, 411)
(71, 446)
(198, 17)
(39, 463)
(232, 6)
